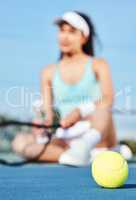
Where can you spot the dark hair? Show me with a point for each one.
(88, 47)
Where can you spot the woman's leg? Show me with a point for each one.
(103, 122)
(21, 141)
(53, 151)
(26, 146)
(111, 134)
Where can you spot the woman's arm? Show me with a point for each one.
(103, 74)
(46, 91)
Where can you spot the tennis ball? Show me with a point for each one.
(110, 169)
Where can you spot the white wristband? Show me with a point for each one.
(42, 140)
(86, 109)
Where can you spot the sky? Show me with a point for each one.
(28, 42)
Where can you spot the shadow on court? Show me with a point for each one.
(129, 186)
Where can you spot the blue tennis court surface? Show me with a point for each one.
(53, 182)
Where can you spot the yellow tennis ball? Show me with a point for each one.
(110, 169)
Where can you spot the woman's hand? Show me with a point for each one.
(37, 131)
(47, 122)
(71, 119)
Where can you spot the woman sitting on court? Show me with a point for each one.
(80, 87)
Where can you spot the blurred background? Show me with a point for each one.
(28, 42)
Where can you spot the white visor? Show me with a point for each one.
(76, 21)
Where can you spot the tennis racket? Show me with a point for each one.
(9, 130)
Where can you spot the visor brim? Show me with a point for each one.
(60, 22)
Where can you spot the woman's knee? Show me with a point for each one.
(20, 141)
